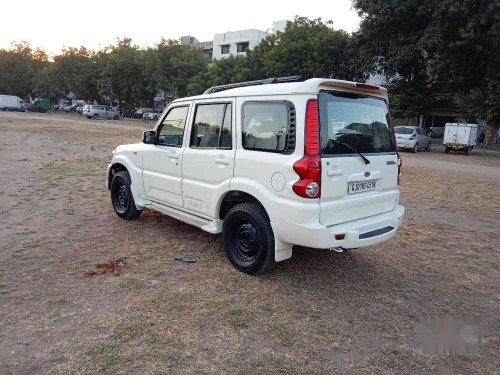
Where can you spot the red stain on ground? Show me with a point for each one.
(112, 267)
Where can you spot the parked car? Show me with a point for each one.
(10, 102)
(141, 111)
(460, 137)
(247, 160)
(79, 108)
(96, 112)
(412, 138)
(30, 107)
(152, 115)
(127, 112)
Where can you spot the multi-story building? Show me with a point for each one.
(233, 42)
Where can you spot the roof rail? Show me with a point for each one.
(266, 81)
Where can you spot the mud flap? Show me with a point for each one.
(282, 250)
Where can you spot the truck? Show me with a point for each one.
(10, 102)
(459, 137)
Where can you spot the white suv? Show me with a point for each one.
(269, 164)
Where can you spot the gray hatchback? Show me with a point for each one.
(100, 111)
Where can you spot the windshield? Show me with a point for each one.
(354, 120)
(403, 130)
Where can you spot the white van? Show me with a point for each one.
(459, 137)
(269, 164)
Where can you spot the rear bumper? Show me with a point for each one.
(358, 233)
(405, 144)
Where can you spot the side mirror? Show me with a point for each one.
(149, 137)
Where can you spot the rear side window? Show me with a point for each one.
(403, 130)
(269, 126)
(212, 126)
(349, 120)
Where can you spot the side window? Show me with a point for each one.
(266, 126)
(172, 128)
(211, 126)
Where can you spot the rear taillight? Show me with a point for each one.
(400, 166)
(309, 167)
(413, 136)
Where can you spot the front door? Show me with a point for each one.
(208, 159)
(162, 162)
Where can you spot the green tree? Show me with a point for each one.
(433, 50)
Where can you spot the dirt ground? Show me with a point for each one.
(319, 312)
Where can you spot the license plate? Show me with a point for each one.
(357, 187)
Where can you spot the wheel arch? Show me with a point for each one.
(115, 168)
(235, 197)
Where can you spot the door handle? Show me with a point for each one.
(221, 161)
(336, 172)
(173, 156)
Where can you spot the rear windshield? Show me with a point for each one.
(403, 130)
(359, 121)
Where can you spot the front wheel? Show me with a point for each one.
(248, 239)
(121, 197)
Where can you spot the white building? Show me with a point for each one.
(237, 42)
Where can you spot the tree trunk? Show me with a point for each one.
(490, 135)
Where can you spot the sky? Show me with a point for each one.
(97, 23)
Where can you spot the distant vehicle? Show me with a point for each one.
(460, 137)
(141, 111)
(100, 111)
(10, 102)
(128, 112)
(79, 108)
(30, 107)
(437, 131)
(152, 115)
(412, 138)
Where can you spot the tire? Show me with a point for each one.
(116, 117)
(415, 148)
(446, 150)
(89, 117)
(155, 118)
(248, 239)
(428, 148)
(95, 116)
(467, 150)
(122, 198)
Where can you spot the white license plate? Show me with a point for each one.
(356, 187)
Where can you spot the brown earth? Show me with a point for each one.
(319, 312)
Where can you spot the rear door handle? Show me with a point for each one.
(221, 161)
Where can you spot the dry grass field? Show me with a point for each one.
(319, 312)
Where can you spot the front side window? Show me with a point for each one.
(172, 127)
(212, 126)
(265, 126)
(350, 120)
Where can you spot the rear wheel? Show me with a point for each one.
(155, 118)
(95, 116)
(415, 148)
(89, 117)
(116, 117)
(428, 148)
(248, 239)
(467, 150)
(121, 197)
(446, 149)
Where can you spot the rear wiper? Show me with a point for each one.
(351, 148)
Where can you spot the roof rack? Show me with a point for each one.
(266, 81)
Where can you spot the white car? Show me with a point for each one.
(269, 164)
(96, 112)
(412, 138)
(152, 115)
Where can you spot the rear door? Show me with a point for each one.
(351, 188)
(208, 160)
